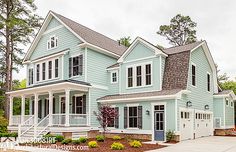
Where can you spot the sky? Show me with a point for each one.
(216, 22)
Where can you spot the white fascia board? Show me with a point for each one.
(99, 49)
(111, 69)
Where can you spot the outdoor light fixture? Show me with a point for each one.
(206, 107)
(189, 104)
(147, 112)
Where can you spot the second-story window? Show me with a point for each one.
(208, 82)
(148, 74)
(56, 68)
(52, 42)
(130, 77)
(193, 75)
(76, 66)
(44, 71)
(139, 75)
(49, 69)
(38, 72)
(31, 76)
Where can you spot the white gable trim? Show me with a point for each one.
(211, 62)
(134, 43)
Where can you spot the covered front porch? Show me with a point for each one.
(64, 103)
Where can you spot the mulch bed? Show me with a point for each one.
(105, 146)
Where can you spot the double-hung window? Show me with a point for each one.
(130, 77)
(49, 69)
(38, 72)
(31, 76)
(44, 71)
(148, 74)
(56, 68)
(139, 75)
(76, 65)
(114, 76)
(133, 117)
(193, 75)
(208, 82)
(52, 42)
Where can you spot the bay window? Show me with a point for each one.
(49, 69)
(56, 68)
(139, 75)
(38, 72)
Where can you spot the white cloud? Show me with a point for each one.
(215, 19)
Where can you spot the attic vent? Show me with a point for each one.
(217, 122)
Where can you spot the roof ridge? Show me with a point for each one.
(182, 45)
(89, 28)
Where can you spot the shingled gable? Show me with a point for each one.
(85, 34)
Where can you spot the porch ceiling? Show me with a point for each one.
(52, 87)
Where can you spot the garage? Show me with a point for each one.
(203, 124)
(186, 124)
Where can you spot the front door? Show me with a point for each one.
(159, 123)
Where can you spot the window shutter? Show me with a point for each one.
(125, 117)
(73, 104)
(84, 104)
(54, 106)
(117, 118)
(70, 64)
(140, 117)
(80, 64)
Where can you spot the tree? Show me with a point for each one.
(126, 41)
(18, 23)
(105, 116)
(181, 30)
(229, 85)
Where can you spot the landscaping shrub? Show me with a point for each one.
(93, 144)
(13, 134)
(66, 141)
(170, 135)
(117, 146)
(59, 138)
(76, 142)
(100, 138)
(83, 139)
(135, 144)
(116, 138)
(3, 124)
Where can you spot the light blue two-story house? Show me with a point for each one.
(71, 70)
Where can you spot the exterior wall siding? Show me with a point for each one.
(219, 110)
(229, 114)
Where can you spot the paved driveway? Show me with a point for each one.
(206, 144)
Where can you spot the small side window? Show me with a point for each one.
(227, 101)
(114, 77)
(52, 42)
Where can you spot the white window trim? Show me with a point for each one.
(49, 41)
(210, 82)
(231, 104)
(73, 56)
(135, 75)
(193, 64)
(227, 99)
(111, 77)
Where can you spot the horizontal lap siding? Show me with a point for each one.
(229, 114)
(113, 87)
(219, 109)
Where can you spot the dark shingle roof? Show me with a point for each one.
(113, 66)
(224, 92)
(143, 94)
(176, 71)
(92, 36)
(179, 49)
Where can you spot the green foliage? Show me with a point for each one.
(59, 138)
(126, 41)
(229, 85)
(9, 134)
(83, 139)
(170, 135)
(93, 144)
(117, 146)
(76, 142)
(66, 141)
(3, 124)
(100, 138)
(116, 138)
(180, 31)
(135, 144)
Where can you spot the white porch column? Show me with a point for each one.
(22, 108)
(35, 113)
(30, 107)
(50, 107)
(67, 107)
(11, 110)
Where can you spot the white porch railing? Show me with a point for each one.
(16, 120)
(28, 124)
(58, 119)
(42, 126)
(78, 119)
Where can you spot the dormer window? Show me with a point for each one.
(52, 42)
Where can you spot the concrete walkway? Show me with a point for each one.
(206, 144)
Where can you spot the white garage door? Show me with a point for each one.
(203, 124)
(186, 125)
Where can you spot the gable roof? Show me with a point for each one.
(144, 42)
(85, 34)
